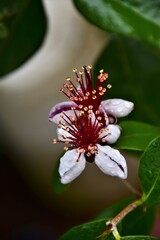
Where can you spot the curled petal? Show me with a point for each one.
(71, 166)
(111, 133)
(111, 162)
(117, 107)
(56, 111)
(63, 135)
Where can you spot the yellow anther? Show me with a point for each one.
(82, 112)
(65, 148)
(63, 136)
(90, 107)
(54, 141)
(106, 118)
(99, 118)
(97, 112)
(87, 94)
(80, 106)
(109, 86)
(85, 97)
(100, 88)
(103, 140)
(94, 97)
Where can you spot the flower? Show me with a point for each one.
(88, 126)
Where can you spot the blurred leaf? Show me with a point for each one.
(132, 18)
(149, 173)
(22, 29)
(112, 210)
(138, 222)
(134, 74)
(136, 135)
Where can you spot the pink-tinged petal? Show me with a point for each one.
(111, 133)
(63, 135)
(71, 166)
(117, 107)
(111, 162)
(56, 111)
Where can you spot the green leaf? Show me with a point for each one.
(131, 18)
(87, 231)
(22, 29)
(149, 173)
(138, 222)
(139, 238)
(134, 74)
(136, 135)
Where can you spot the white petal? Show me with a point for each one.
(56, 112)
(117, 107)
(63, 135)
(70, 166)
(111, 162)
(111, 133)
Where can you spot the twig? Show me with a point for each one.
(111, 224)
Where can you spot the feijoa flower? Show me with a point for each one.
(87, 125)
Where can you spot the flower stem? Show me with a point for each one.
(131, 188)
(111, 224)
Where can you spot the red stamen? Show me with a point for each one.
(87, 121)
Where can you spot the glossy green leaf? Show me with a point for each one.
(138, 222)
(136, 135)
(149, 173)
(22, 29)
(139, 238)
(134, 74)
(132, 18)
(88, 231)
